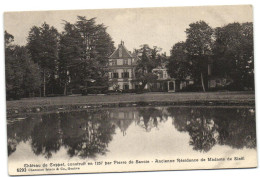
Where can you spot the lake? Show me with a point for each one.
(132, 133)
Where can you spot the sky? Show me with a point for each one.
(162, 27)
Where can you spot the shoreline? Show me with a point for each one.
(67, 103)
(21, 109)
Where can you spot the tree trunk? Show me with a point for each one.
(65, 89)
(202, 82)
(44, 84)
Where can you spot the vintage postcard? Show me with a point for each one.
(119, 90)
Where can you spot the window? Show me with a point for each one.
(125, 75)
(165, 75)
(126, 115)
(126, 87)
(161, 75)
(125, 61)
(115, 75)
(113, 62)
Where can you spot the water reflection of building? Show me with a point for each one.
(123, 118)
(150, 118)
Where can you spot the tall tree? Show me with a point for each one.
(43, 48)
(179, 65)
(199, 47)
(233, 53)
(69, 53)
(30, 71)
(85, 47)
(13, 72)
(22, 74)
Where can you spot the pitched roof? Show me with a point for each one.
(124, 52)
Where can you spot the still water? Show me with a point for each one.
(120, 133)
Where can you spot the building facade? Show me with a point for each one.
(121, 69)
(165, 83)
(121, 74)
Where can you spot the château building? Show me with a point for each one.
(121, 74)
(121, 69)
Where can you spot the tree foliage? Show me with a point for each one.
(69, 54)
(199, 47)
(179, 65)
(150, 59)
(43, 44)
(229, 49)
(84, 50)
(234, 53)
(22, 74)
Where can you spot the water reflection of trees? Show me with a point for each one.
(237, 128)
(87, 133)
(149, 118)
(207, 127)
(19, 130)
(46, 137)
(198, 123)
(83, 134)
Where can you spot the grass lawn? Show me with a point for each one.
(243, 97)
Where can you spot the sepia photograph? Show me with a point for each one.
(130, 89)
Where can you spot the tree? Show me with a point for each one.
(14, 78)
(12, 69)
(43, 48)
(199, 48)
(150, 59)
(8, 41)
(233, 53)
(30, 71)
(84, 51)
(179, 66)
(69, 53)
(22, 74)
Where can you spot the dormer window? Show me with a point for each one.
(120, 52)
